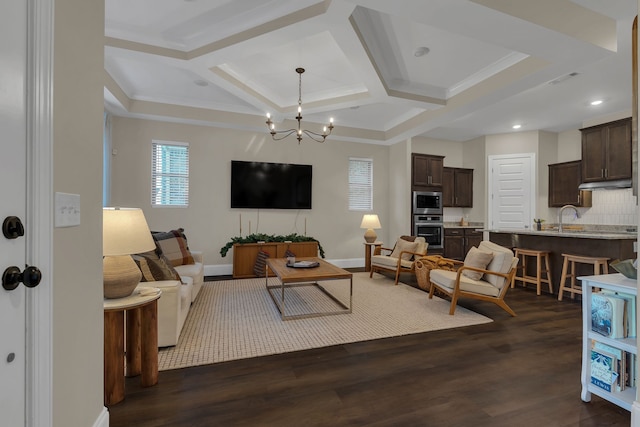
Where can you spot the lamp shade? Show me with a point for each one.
(370, 221)
(125, 231)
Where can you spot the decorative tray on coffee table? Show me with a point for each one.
(304, 264)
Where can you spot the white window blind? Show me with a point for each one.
(360, 184)
(170, 174)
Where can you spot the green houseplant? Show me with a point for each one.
(259, 237)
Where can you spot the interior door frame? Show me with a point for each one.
(532, 181)
(39, 313)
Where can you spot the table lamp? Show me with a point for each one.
(370, 222)
(124, 232)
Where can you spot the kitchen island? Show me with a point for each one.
(613, 245)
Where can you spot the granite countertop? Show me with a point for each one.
(577, 234)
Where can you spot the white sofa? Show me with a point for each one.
(176, 299)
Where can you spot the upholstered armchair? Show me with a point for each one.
(485, 274)
(400, 258)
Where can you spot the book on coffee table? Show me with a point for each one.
(303, 264)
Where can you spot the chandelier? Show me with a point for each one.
(277, 135)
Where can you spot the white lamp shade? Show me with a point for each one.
(370, 221)
(125, 231)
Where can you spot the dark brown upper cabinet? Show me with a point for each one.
(426, 171)
(606, 151)
(564, 179)
(457, 187)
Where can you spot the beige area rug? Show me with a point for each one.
(236, 319)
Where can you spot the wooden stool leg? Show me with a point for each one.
(549, 279)
(563, 278)
(538, 273)
(573, 280)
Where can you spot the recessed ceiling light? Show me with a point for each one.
(516, 126)
(201, 83)
(421, 51)
(596, 102)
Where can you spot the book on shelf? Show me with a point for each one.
(619, 364)
(630, 308)
(603, 370)
(608, 315)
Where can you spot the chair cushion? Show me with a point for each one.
(154, 267)
(403, 245)
(447, 280)
(173, 245)
(501, 262)
(261, 263)
(477, 259)
(390, 262)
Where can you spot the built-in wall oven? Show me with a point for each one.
(431, 228)
(427, 202)
(427, 217)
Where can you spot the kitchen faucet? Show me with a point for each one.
(561, 211)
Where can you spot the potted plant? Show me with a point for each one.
(538, 223)
(259, 237)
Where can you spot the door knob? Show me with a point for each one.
(12, 227)
(12, 277)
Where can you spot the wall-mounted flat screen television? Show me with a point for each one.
(260, 185)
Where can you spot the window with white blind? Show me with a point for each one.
(170, 174)
(360, 184)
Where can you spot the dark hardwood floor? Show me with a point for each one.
(515, 371)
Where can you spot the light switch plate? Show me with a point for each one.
(67, 208)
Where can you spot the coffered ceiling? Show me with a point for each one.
(488, 64)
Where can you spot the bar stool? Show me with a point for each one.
(537, 280)
(599, 265)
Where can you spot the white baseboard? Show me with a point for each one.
(103, 418)
(227, 269)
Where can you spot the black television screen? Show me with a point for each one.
(260, 185)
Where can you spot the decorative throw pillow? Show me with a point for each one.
(288, 254)
(154, 267)
(477, 259)
(403, 245)
(173, 245)
(261, 263)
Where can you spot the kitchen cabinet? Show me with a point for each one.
(606, 151)
(564, 179)
(458, 241)
(426, 172)
(457, 187)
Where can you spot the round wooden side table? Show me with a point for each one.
(141, 309)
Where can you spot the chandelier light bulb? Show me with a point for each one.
(268, 115)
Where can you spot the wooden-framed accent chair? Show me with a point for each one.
(400, 258)
(485, 274)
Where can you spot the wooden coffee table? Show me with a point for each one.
(291, 277)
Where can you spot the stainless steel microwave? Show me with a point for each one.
(427, 202)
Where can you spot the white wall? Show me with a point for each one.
(209, 222)
(77, 251)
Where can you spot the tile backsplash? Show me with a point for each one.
(610, 207)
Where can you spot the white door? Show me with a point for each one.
(13, 52)
(511, 191)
